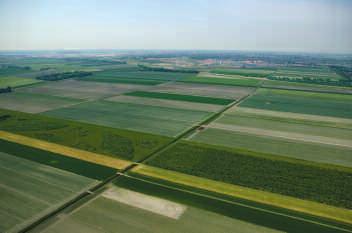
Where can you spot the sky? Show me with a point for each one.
(323, 26)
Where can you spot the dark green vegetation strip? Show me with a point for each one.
(237, 209)
(73, 165)
(336, 105)
(113, 142)
(223, 81)
(302, 179)
(189, 98)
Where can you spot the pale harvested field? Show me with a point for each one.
(229, 92)
(30, 190)
(82, 89)
(278, 200)
(153, 204)
(66, 151)
(283, 134)
(166, 103)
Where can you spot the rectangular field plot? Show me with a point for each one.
(181, 97)
(16, 82)
(295, 178)
(151, 119)
(245, 72)
(121, 210)
(81, 90)
(336, 105)
(166, 103)
(128, 145)
(33, 103)
(218, 91)
(29, 190)
(246, 82)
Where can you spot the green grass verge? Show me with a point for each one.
(121, 80)
(268, 173)
(73, 165)
(123, 144)
(189, 98)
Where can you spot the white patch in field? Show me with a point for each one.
(153, 204)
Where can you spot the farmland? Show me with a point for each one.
(33, 103)
(175, 141)
(80, 90)
(158, 120)
(188, 98)
(218, 91)
(105, 212)
(336, 105)
(253, 170)
(223, 81)
(113, 142)
(29, 190)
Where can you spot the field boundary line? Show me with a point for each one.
(66, 151)
(295, 204)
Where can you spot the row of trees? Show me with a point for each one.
(5, 90)
(161, 69)
(65, 75)
(320, 81)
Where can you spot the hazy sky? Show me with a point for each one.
(273, 25)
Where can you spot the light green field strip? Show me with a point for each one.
(16, 82)
(30, 190)
(66, 151)
(166, 103)
(33, 103)
(278, 146)
(282, 134)
(317, 118)
(309, 207)
(108, 215)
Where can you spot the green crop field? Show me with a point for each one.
(113, 142)
(337, 105)
(30, 190)
(33, 103)
(80, 90)
(106, 215)
(279, 146)
(152, 119)
(223, 81)
(16, 82)
(269, 173)
(189, 98)
(245, 72)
